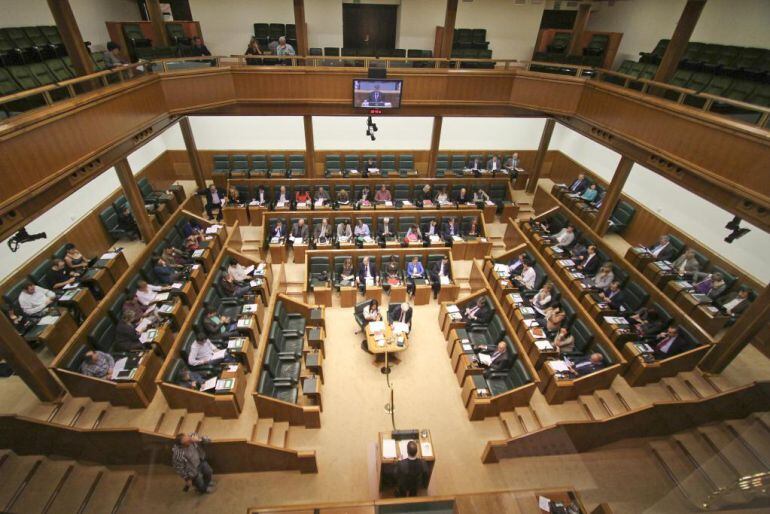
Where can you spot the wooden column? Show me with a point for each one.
(192, 152)
(158, 25)
(749, 324)
(581, 22)
(675, 49)
(25, 362)
(135, 200)
(71, 37)
(612, 195)
(309, 146)
(449, 28)
(545, 140)
(435, 140)
(299, 22)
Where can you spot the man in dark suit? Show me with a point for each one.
(586, 365)
(375, 97)
(736, 303)
(500, 358)
(663, 251)
(479, 312)
(494, 164)
(126, 337)
(614, 296)
(462, 197)
(402, 313)
(579, 185)
(669, 343)
(450, 229)
(214, 197)
(475, 164)
(439, 269)
(367, 270)
(411, 472)
(590, 264)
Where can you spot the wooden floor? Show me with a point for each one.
(628, 476)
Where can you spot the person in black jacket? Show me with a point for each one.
(411, 472)
(590, 263)
(479, 312)
(214, 197)
(501, 358)
(402, 313)
(198, 49)
(126, 337)
(439, 269)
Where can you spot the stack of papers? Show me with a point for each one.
(400, 328)
(445, 280)
(166, 308)
(161, 297)
(235, 344)
(427, 450)
(209, 384)
(452, 308)
(567, 262)
(485, 359)
(275, 240)
(72, 285)
(219, 354)
(197, 253)
(109, 255)
(616, 320)
(544, 345)
(389, 449)
(177, 285)
(376, 326)
(148, 336)
(48, 320)
(558, 366)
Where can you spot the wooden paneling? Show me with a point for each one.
(546, 92)
(184, 91)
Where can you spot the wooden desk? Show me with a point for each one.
(538, 357)
(555, 390)
(638, 257)
(247, 324)
(237, 392)
(299, 250)
(421, 293)
(459, 250)
(710, 318)
(311, 391)
(114, 262)
(322, 295)
(205, 257)
(390, 346)
(186, 293)
(448, 292)
(676, 287)
(80, 298)
(233, 213)
(277, 252)
(489, 212)
(197, 277)
(256, 214)
(239, 348)
(174, 311)
(316, 339)
(398, 293)
(348, 296)
(386, 465)
(56, 335)
(100, 277)
(637, 371)
(373, 293)
(314, 363)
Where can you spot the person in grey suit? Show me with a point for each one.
(494, 164)
(344, 230)
(323, 232)
(663, 250)
(587, 365)
(687, 265)
(300, 231)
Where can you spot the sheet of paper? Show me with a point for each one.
(48, 320)
(452, 308)
(234, 344)
(376, 326)
(120, 364)
(109, 255)
(427, 449)
(485, 359)
(244, 322)
(209, 384)
(161, 297)
(225, 384)
(73, 285)
(402, 447)
(177, 285)
(389, 449)
(543, 345)
(560, 366)
(544, 503)
(400, 328)
(197, 253)
(445, 280)
(148, 336)
(219, 354)
(249, 308)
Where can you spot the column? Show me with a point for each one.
(71, 37)
(675, 49)
(581, 22)
(435, 140)
(135, 200)
(449, 28)
(158, 25)
(299, 22)
(545, 140)
(612, 195)
(25, 362)
(309, 146)
(192, 152)
(748, 325)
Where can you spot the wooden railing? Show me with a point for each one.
(654, 420)
(132, 446)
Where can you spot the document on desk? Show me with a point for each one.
(235, 343)
(426, 449)
(376, 326)
(544, 503)
(244, 322)
(434, 238)
(444, 280)
(160, 297)
(255, 283)
(566, 262)
(209, 384)
(485, 359)
(219, 354)
(148, 336)
(501, 269)
(213, 229)
(225, 384)
(400, 328)
(467, 347)
(177, 285)
(544, 346)
(389, 449)
(48, 320)
(249, 308)
(615, 320)
(559, 366)
(166, 308)
(198, 253)
(73, 285)
(457, 238)
(452, 308)
(119, 366)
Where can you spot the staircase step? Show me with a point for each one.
(731, 449)
(171, 421)
(108, 492)
(593, 408)
(71, 409)
(278, 434)
(511, 424)
(17, 469)
(703, 386)
(190, 422)
(43, 485)
(679, 469)
(528, 418)
(92, 414)
(609, 400)
(261, 433)
(75, 489)
(755, 436)
(764, 418)
(678, 389)
(718, 471)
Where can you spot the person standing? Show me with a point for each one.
(411, 472)
(188, 458)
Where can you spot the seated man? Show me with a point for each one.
(403, 314)
(323, 232)
(97, 364)
(35, 300)
(526, 279)
(450, 230)
(480, 197)
(261, 197)
(589, 265)
(190, 380)
(283, 199)
(367, 273)
(204, 352)
(414, 270)
(687, 264)
(432, 230)
(300, 234)
(58, 277)
(165, 273)
(127, 223)
(478, 312)
(579, 184)
(669, 343)
(238, 272)
(494, 164)
(321, 197)
(475, 164)
(586, 365)
(217, 325)
(498, 358)
(614, 297)
(663, 251)
(231, 289)
(736, 303)
(423, 196)
(513, 164)
(141, 316)
(463, 197)
(126, 336)
(441, 271)
(148, 293)
(278, 232)
(383, 195)
(564, 237)
(517, 265)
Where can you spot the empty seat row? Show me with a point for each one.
(19, 45)
(259, 165)
(470, 38)
(592, 55)
(273, 31)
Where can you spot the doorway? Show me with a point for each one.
(369, 27)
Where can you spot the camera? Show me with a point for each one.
(22, 236)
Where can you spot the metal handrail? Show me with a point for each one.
(756, 483)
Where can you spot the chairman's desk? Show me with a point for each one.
(380, 256)
(469, 247)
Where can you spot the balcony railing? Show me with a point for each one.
(756, 115)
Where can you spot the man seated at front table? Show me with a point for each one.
(499, 357)
(586, 365)
(204, 352)
(480, 197)
(198, 49)
(367, 274)
(403, 314)
(299, 232)
(166, 274)
(441, 271)
(148, 293)
(423, 196)
(687, 265)
(589, 264)
(383, 195)
(614, 296)
(478, 312)
(433, 231)
(34, 300)
(322, 197)
(450, 230)
(462, 197)
(283, 47)
(322, 234)
(579, 184)
(283, 199)
(513, 165)
(97, 364)
(517, 265)
(58, 277)
(261, 197)
(494, 164)
(669, 343)
(475, 164)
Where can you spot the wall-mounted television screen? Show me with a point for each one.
(377, 93)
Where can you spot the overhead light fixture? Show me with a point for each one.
(737, 232)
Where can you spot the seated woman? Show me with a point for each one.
(646, 322)
(554, 316)
(589, 195)
(383, 195)
(473, 229)
(344, 231)
(126, 336)
(364, 200)
(442, 198)
(371, 313)
(302, 196)
(342, 197)
(564, 342)
(413, 235)
(392, 271)
(217, 325)
(542, 299)
(234, 197)
(348, 273)
(414, 270)
(191, 244)
(74, 259)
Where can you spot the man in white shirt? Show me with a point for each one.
(663, 251)
(33, 299)
(237, 272)
(516, 266)
(527, 277)
(148, 293)
(283, 197)
(202, 351)
(565, 237)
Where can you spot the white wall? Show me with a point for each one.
(91, 16)
(241, 133)
(491, 133)
(70, 211)
(686, 211)
(417, 21)
(394, 133)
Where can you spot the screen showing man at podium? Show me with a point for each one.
(377, 93)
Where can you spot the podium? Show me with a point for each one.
(388, 456)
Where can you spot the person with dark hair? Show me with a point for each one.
(198, 48)
(58, 277)
(217, 325)
(113, 57)
(165, 273)
(74, 259)
(188, 459)
(215, 197)
(371, 312)
(479, 312)
(126, 336)
(127, 223)
(440, 271)
(203, 351)
(411, 472)
(253, 49)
